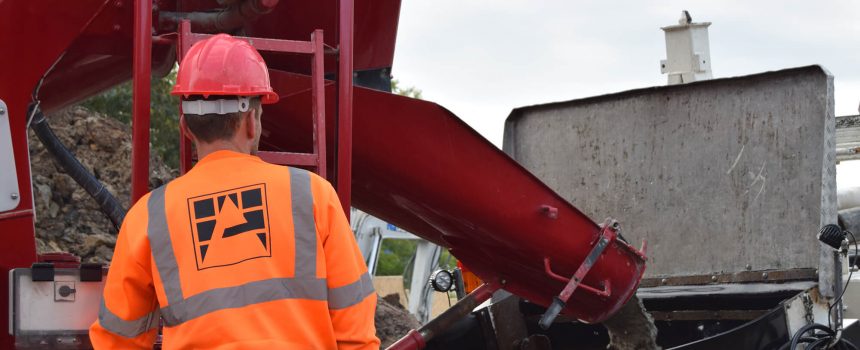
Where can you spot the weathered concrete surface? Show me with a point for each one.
(715, 175)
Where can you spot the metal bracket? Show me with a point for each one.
(42, 272)
(605, 292)
(10, 196)
(91, 272)
(807, 308)
(608, 233)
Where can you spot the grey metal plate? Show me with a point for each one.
(718, 176)
(9, 195)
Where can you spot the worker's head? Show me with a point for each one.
(223, 82)
(234, 120)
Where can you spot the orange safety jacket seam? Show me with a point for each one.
(304, 285)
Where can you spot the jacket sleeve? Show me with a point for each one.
(351, 298)
(128, 316)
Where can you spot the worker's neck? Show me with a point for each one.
(205, 149)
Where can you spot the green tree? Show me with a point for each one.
(394, 256)
(408, 92)
(164, 113)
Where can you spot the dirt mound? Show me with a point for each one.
(392, 321)
(67, 219)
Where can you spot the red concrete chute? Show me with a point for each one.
(418, 166)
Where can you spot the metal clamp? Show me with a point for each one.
(608, 233)
(605, 292)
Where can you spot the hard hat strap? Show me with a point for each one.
(203, 107)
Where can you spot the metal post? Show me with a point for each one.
(344, 101)
(420, 294)
(184, 143)
(142, 72)
(318, 95)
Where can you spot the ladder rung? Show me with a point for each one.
(289, 158)
(263, 44)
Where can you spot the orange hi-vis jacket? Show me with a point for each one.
(238, 254)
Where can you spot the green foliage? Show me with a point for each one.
(394, 256)
(164, 113)
(447, 261)
(408, 92)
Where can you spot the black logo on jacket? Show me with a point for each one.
(230, 227)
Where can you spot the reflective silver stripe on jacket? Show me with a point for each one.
(303, 286)
(264, 291)
(350, 294)
(129, 329)
(162, 248)
(243, 295)
(304, 225)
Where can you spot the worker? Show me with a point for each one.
(237, 253)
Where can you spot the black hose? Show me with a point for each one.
(106, 201)
(816, 340)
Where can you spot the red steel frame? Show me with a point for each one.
(141, 76)
(316, 48)
(344, 106)
(342, 176)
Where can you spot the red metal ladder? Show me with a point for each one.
(316, 49)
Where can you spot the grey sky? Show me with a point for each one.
(480, 59)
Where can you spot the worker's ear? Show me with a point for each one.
(251, 121)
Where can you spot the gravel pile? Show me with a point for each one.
(392, 321)
(67, 218)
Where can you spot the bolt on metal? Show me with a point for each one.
(14, 195)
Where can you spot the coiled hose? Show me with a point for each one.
(108, 204)
(820, 337)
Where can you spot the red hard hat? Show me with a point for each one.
(224, 65)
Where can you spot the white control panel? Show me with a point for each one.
(55, 309)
